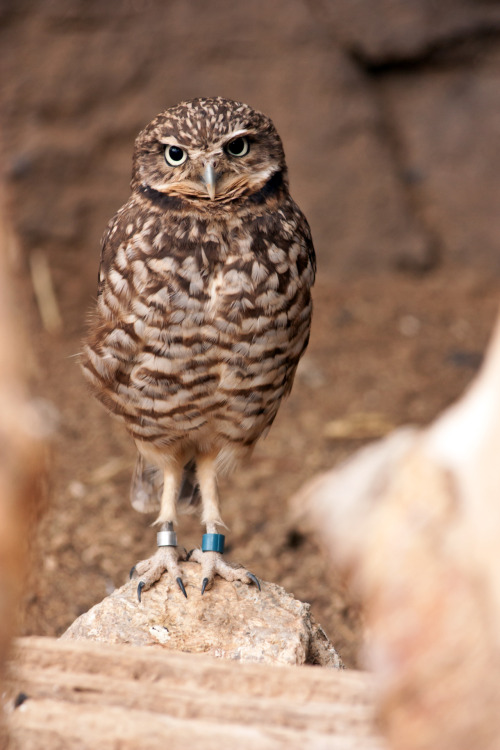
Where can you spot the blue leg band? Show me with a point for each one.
(213, 543)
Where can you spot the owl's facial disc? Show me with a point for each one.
(209, 150)
(219, 169)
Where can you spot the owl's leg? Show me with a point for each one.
(167, 556)
(212, 562)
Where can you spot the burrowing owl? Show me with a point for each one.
(203, 312)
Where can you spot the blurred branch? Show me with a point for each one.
(43, 286)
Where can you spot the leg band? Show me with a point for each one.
(166, 539)
(213, 543)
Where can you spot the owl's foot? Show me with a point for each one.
(150, 571)
(212, 564)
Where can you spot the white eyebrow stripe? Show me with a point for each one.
(237, 133)
(171, 141)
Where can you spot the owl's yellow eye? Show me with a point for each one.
(239, 147)
(175, 155)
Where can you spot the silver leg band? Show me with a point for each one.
(166, 539)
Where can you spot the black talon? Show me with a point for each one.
(204, 585)
(255, 580)
(189, 554)
(139, 589)
(132, 571)
(181, 586)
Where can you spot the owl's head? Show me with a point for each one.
(208, 150)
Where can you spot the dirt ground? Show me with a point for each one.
(389, 117)
(385, 351)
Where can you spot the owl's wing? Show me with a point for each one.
(307, 257)
(303, 280)
(110, 242)
(113, 344)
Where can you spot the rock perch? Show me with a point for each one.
(231, 621)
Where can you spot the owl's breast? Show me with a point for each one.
(200, 331)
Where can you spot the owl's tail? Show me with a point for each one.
(147, 486)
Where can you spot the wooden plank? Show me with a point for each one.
(184, 702)
(89, 695)
(194, 670)
(54, 725)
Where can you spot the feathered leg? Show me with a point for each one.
(167, 556)
(211, 560)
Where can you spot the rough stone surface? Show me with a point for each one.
(231, 621)
(70, 123)
(383, 31)
(70, 119)
(446, 124)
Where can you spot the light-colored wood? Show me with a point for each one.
(22, 432)
(91, 695)
(415, 521)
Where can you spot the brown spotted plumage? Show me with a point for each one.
(203, 308)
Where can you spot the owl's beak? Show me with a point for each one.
(210, 179)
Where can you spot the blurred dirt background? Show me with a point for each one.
(390, 115)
